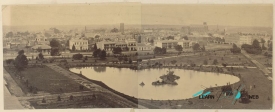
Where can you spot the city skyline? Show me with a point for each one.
(138, 14)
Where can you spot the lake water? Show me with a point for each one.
(127, 81)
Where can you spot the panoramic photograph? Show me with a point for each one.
(134, 55)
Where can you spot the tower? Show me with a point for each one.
(122, 28)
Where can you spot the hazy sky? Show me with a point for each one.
(89, 14)
(233, 15)
(84, 14)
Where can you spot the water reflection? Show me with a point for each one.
(128, 81)
(99, 69)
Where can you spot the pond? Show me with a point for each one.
(127, 81)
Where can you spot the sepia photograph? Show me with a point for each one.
(135, 55)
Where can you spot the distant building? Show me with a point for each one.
(232, 38)
(143, 47)
(170, 44)
(131, 44)
(185, 44)
(122, 28)
(80, 44)
(122, 45)
(195, 28)
(44, 49)
(245, 40)
(106, 45)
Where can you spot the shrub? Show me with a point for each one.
(86, 57)
(215, 62)
(9, 61)
(77, 56)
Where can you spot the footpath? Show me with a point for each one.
(10, 100)
(264, 69)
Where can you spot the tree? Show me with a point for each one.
(120, 59)
(55, 43)
(95, 47)
(173, 62)
(96, 53)
(185, 37)
(170, 37)
(139, 60)
(40, 55)
(224, 64)
(245, 46)
(178, 48)
(102, 54)
(203, 48)
(54, 52)
(73, 48)
(196, 47)
(117, 50)
(115, 30)
(215, 62)
(205, 62)
(77, 56)
(97, 36)
(9, 61)
(235, 49)
(126, 48)
(21, 61)
(55, 46)
(158, 50)
(152, 41)
(163, 50)
(256, 44)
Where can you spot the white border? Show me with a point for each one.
(13, 2)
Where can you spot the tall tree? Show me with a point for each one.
(96, 53)
(256, 44)
(97, 36)
(117, 50)
(21, 61)
(235, 49)
(102, 54)
(54, 43)
(55, 46)
(185, 37)
(178, 48)
(40, 55)
(158, 50)
(73, 48)
(163, 50)
(115, 30)
(215, 61)
(196, 47)
(203, 48)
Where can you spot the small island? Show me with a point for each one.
(169, 78)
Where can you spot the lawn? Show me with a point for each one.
(249, 77)
(198, 59)
(45, 80)
(262, 59)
